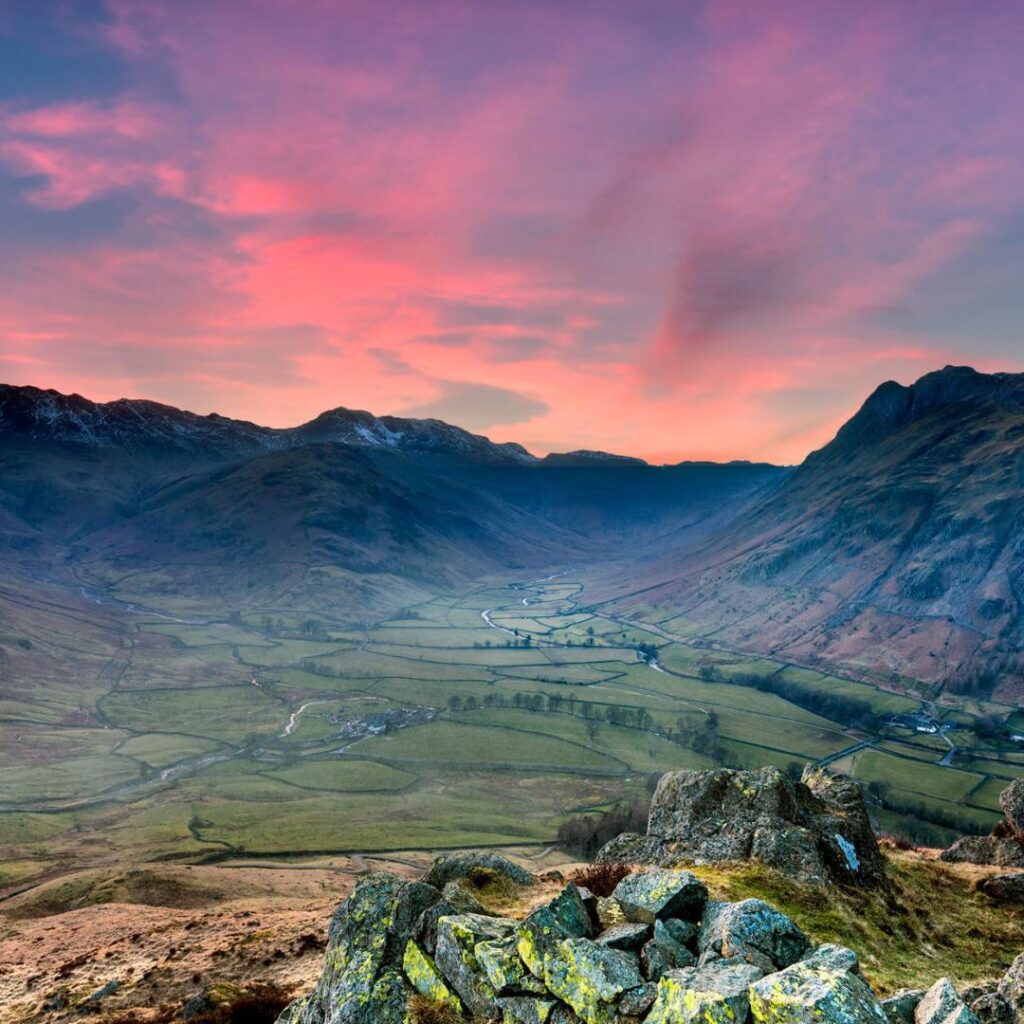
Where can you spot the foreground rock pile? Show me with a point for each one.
(816, 830)
(657, 950)
(1005, 846)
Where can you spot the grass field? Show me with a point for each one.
(468, 719)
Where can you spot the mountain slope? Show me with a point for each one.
(358, 511)
(896, 549)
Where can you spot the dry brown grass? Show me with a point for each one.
(601, 879)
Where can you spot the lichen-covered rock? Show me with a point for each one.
(591, 978)
(997, 850)
(941, 1004)
(457, 941)
(608, 912)
(504, 968)
(900, 1006)
(524, 1009)
(808, 994)
(992, 1008)
(453, 866)
(1011, 986)
(648, 896)
(565, 917)
(361, 982)
(425, 931)
(424, 976)
(715, 994)
(628, 935)
(753, 931)
(1003, 888)
(1011, 800)
(816, 830)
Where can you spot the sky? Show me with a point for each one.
(666, 228)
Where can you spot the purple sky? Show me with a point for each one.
(670, 229)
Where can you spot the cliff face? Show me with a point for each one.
(896, 549)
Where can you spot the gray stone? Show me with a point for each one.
(627, 935)
(900, 1006)
(637, 1001)
(992, 1008)
(754, 931)
(1003, 888)
(806, 993)
(652, 895)
(837, 957)
(458, 938)
(941, 1004)
(816, 830)
(452, 866)
(654, 961)
(715, 994)
(1003, 852)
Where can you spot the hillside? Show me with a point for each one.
(895, 550)
(360, 512)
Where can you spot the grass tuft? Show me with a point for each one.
(601, 879)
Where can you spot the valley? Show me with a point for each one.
(482, 718)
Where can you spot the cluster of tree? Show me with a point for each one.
(586, 834)
(696, 731)
(839, 707)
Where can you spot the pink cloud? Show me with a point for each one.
(662, 224)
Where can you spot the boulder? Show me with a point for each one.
(637, 1001)
(806, 993)
(1011, 800)
(1003, 852)
(837, 957)
(591, 978)
(900, 1006)
(457, 941)
(816, 830)
(992, 1008)
(649, 896)
(565, 917)
(715, 994)
(362, 981)
(1003, 888)
(625, 936)
(753, 931)
(424, 976)
(941, 1004)
(453, 866)
(524, 1009)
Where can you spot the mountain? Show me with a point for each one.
(360, 511)
(897, 549)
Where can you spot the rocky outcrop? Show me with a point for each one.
(670, 955)
(1005, 846)
(815, 830)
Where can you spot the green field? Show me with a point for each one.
(267, 733)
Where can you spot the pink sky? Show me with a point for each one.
(675, 230)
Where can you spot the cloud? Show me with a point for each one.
(477, 406)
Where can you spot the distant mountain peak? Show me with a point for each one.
(892, 405)
(589, 457)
